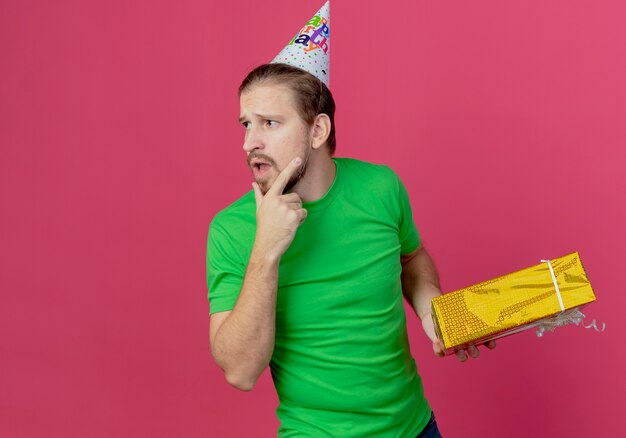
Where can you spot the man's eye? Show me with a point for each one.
(245, 124)
(272, 123)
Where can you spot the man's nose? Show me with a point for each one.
(253, 140)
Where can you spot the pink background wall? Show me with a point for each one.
(119, 142)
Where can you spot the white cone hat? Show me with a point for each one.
(310, 48)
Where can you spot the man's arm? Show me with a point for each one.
(420, 284)
(420, 281)
(242, 340)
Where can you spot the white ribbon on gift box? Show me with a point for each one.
(572, 316)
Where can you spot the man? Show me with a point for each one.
(307, 271)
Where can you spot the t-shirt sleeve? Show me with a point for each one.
(409, 237)
(225, 270)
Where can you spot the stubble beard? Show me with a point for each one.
(295, 178)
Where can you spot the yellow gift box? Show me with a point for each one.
(511, 303)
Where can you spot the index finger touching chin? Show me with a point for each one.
(284, 176)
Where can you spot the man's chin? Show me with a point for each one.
(263, 184)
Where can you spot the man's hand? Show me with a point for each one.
(278, 216)
(438, 348)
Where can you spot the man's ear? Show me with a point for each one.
(320, 131)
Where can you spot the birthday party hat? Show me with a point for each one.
(310, 48)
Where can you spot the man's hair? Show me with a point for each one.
(311, 96)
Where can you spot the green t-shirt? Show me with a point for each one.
(341, 364)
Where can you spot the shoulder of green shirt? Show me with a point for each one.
(372, 172)
(241, 205)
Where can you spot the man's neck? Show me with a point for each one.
(319, 176)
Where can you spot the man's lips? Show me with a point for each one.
(260, 168)
(260, 165)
